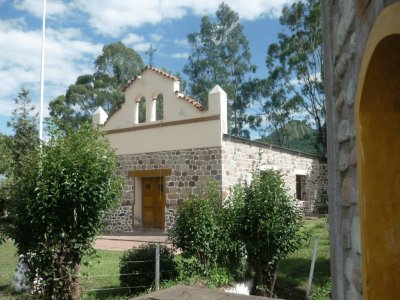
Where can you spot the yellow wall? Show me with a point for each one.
(378, 157)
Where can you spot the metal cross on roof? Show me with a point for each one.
(150, 53)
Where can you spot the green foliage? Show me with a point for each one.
(191, 274)
(5, 171)
(220, 55)
(296, 135)
(139, 263)
(293, 271)
(5, 154)
(322, 292)
(295, 66)
(142, 110)
(57, 204)
(114, 67)
(205, 229)
(195, 231)
(269, 227)
(15, 150)
(219, 276)
(160, 107)
(24, 124)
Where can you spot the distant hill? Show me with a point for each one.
(299, 136)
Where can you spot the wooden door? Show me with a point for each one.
(153, 202)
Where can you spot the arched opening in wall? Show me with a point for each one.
(159, 107)
(141, 110)
(378, 163)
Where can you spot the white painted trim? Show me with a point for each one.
(300, 172)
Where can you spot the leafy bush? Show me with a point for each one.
(195, 230)
(219, 276)
(56, 206)
(140, 264)
(205, 229)
(270, 227)
(322, 292)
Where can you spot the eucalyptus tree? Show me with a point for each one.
(220, 55)
(295, 65)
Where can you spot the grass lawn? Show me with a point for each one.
(293, 272)
(8, 262)
(102, 276)
(106, 265)
(291, 281)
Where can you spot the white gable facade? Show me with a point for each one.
(168, 156)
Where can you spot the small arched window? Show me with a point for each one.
(159, 107)
(142, 110)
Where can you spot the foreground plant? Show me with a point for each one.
(57, 204)
(269, 228)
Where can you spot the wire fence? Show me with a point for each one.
(105, 275)
(110, 282)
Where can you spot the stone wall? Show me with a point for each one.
(346, 29)
(120, 219)
(191, 169)
(240, 157)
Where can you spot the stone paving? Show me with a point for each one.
(180, 292)
(127, 241)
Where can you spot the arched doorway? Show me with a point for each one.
(378, 157)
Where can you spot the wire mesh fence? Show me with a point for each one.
(101, 275)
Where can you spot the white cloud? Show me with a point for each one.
(141, 47)
(132, 39)
(181, 42)
(113, 17)
(67, 56)
(156, 37)
(180, 55)
(136, 42)
(35, 7)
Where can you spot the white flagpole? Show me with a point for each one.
(42, 73)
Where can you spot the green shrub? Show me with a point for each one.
(57, 203)
(206, 230)
(322, 292)
(218, 277)
(140, 264)
(270, 227)
(194, 231)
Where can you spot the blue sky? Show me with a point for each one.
(76, 31)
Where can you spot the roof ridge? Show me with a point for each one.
(192, 101)
(157, 70)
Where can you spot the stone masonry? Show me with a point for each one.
(241, 156)
(346, 30)
(191, 170)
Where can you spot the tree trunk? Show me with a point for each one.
(76, 281)
(258, 282)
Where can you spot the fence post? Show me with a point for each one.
(157, 281)
(312, 268)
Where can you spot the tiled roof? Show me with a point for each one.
(196, 104)
(159, 71)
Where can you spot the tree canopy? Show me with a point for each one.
(220, 55)
(295, 65)
(57, 204)
(24, 123)
(113, 68)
